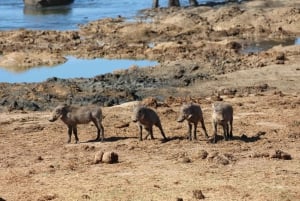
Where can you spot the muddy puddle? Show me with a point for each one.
(73, 68)
(259, 46)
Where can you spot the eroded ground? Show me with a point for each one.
(199, 50)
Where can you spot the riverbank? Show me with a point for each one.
(193, 45)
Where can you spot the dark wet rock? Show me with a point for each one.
(23, 105)
(234, 45)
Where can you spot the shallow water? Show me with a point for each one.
(259, 46)
(13, 14)
(73, 68)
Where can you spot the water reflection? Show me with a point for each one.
(259, 46)
(57, 10)
(73, 68)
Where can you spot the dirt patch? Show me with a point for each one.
(200, 61)
(34, 162)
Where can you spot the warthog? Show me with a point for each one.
(192, 113)
(72, 116)
(223, 115)
(146, 117)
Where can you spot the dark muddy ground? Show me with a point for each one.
(193, 45)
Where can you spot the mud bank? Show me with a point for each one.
(193, 45)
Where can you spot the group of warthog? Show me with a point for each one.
(146, 117)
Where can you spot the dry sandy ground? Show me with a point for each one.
(37, 164)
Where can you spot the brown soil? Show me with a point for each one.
(37, 164)
(199, 53)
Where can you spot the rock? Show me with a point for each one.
(234, 45)
(48, 197)
(86, 197)
(197, 194)
(185, 160)
(212, 155)
(281, 155)
(280, 56)
(98, 157)
(201, 154)
(260, 155)
(221, 160)
(218, 158)
(110, 157)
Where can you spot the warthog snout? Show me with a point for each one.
(51, 120)
(184, 117)
(134, 119)
(54, 117)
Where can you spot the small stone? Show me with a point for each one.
(281, 155)
(98, 157)
(197, 194)
(221, 160)
(185, 160)
(280, 56)
(201, 154)
(110, 157)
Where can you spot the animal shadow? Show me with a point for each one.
(254, 138)
(110, 139)
(176, 138)
(243, 137)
